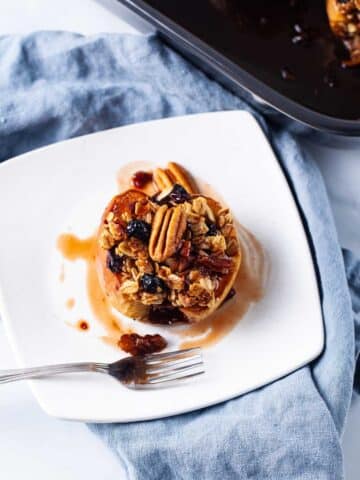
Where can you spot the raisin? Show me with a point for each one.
(141, 345)
(114, 262)
(138, 229)
(152, 283)
(166, 315)
(212, 230)
(140, 179)
(178, 194)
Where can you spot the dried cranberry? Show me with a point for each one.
(138, 229)
(152, 283)
(114, 262)
(166, 315)
(212, 230)
(140, 179)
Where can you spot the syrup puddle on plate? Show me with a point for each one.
(249, 284)
(73, 248)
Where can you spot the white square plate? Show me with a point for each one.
(43, 191)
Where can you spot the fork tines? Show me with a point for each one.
(173, 366)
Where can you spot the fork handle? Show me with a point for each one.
(45, 371)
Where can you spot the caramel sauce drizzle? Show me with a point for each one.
(73, 248)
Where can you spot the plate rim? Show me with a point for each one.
(8, 324)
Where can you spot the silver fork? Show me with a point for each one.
(139, 371)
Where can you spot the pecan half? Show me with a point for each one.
(165, 178)
(168, 227)
(162, 179)
(215, 263)
(181, 176)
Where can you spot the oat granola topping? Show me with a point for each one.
(171, 252)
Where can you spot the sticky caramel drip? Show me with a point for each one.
(73, 248)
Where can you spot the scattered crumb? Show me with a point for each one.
(141, 345)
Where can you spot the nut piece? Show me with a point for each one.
(181, 176)
(168, 227)
(166, 178)
(129, 287)
(201, 207)
(162, 179)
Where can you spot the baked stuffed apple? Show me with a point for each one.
(170, 257)
(344, 19)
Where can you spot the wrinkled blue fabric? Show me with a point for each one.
(57, 85)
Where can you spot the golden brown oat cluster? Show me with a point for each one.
(170, 257)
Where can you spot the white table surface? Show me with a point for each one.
(33, 445)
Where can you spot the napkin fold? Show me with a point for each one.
(57, 85)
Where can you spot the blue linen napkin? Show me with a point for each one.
(57, 85)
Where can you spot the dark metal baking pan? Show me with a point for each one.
(287, 77)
